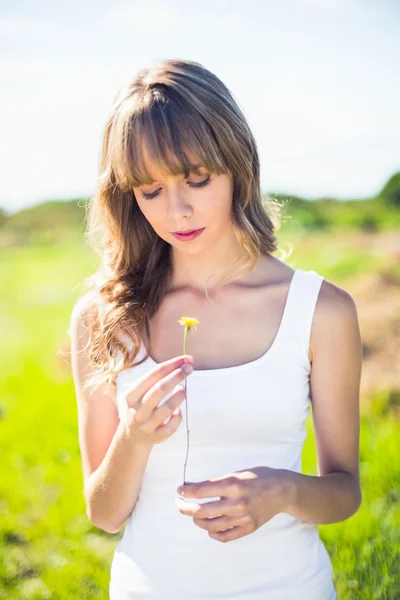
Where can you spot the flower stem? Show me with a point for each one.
(186, 404)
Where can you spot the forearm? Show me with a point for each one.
(320, 499)
(112, 490)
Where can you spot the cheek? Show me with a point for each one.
(148, 210)
(219, 205)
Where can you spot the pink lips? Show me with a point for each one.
(188, 236)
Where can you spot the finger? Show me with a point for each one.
(146, 381)
(161, 414)
(213, 509)
(232, 534)
(223, 487)
(165, 431)
(222, 523)
(158, 392)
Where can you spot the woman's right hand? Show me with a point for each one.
(145, 417)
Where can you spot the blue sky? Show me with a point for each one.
(318, 81)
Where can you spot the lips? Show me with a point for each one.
(188, 235)
(187, 231)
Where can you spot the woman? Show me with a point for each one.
(178, 155)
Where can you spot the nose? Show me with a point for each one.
(179, 209)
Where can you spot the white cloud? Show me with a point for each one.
(58, 73)
(334, 6)
(152, 18)
(27, 26)
(149, 18)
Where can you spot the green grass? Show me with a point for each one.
(48, 548)
(365, 548)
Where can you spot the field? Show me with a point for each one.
(48, 547)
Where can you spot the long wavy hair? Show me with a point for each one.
(180, 110)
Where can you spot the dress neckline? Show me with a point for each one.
(263, 357)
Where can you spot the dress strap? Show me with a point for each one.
(299, 312)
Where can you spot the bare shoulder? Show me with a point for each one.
(335, 312)
(82, 310)
(81, 319)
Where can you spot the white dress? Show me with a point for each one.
(239, 417)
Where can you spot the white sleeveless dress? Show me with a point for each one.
(239, 417)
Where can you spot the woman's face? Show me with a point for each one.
(175, 203)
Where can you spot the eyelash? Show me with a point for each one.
(194, 185)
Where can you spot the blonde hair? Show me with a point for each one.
(181, 111)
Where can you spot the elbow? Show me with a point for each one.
(96, 519)
(111, 530)
(357, 499)
(101, 524)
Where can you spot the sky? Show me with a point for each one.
(318, 82)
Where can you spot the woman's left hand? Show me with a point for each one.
(249, 498)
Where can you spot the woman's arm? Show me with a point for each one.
(112, 490)
(334, 495)
(113, 464)
(325, 499)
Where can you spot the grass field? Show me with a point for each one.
(48, 547)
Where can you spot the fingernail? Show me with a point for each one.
(187, 368)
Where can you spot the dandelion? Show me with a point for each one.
(188, 322)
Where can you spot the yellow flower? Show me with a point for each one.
(188, 321)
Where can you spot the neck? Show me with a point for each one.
(195, 271)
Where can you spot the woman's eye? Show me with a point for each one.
(149, 196)
(191, 184)
(201, 184)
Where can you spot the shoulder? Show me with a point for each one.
(335, 317)
(79, 332)
(85, 309)
(81, 308)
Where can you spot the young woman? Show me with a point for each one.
(178, 156)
